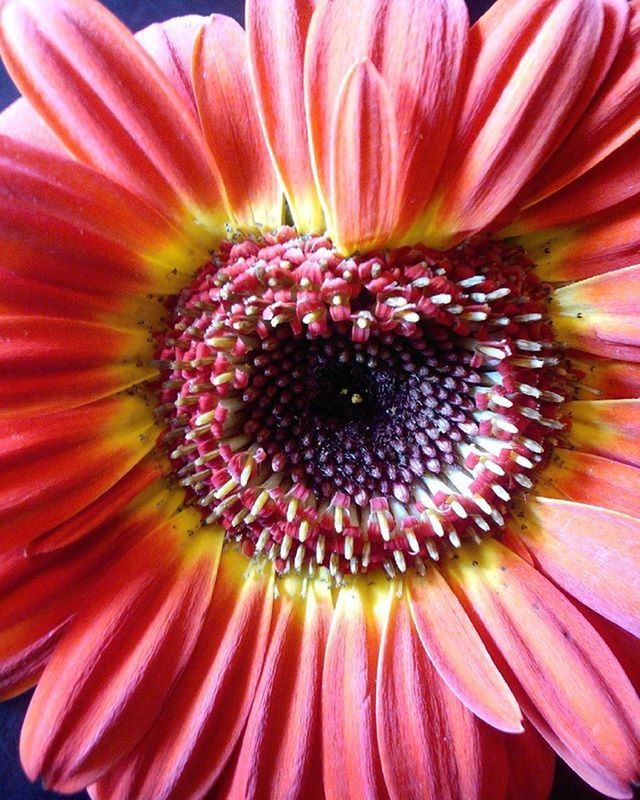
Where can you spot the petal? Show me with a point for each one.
(51, 365)
(230, 123)
(277, 31)
(20, 121)
(111, 672)
(280, 751)
(431, 746)
(562, 671)
(592, 553)
(514, 114)
(598, 244)
(111, 106)
(609, 428)
(610, 121)
(600, 314)
(212, 698)
(457, 652)
(531, 766)
(604, 378)
(594, 480)
(351, 762)
(55, 465)
(364, 162)
(418, 47)
(24, 652)
(170, 45)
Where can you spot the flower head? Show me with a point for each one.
(320, 398)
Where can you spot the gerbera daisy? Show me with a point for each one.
(319, 351)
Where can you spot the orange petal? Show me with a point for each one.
(531, 766)
(431, 746)
(351, 762)
(67, 225)
(113, 669)
(604, 378)
(592, 553)
(599, 244)
(594, 480)
(20, 121)
(230, 123)
(609, 428)
(112, 107)
(277, 31)
(364, 162)
(563, 673)
(418, 47)
(24, 653)
(170, 45)
(600, 314)
(514, 115)
(212, 698)
(55, 465)
(610, 121)
(280, 751)
(52, 365)
(457, 652)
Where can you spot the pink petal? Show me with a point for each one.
(531, 766)
(20, 121)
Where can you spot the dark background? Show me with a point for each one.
(13, 785)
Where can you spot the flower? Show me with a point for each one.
(336, 497)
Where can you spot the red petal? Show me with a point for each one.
(20, 121)
(277, 31)
(418, 47)
(170, 45)
(24, 653)
(351, 762)
(514, 116)
(604, 378)
(112, 107)
(610, 121)
(279, 753)
(50, 365)
(431, 746)
(600, 315)
(55, 465)
(457, 652)
(364, 162)
(591, 479)
(609, 428)
(110, 674)
(531, 766)
(592, 553)
(230, 123)
(211, 700)
(563, 673)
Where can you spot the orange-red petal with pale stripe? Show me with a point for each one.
(431, 746)
(457, 652)
(609, 428)
(112, 107)
(604, 378)
(531, 766)
(514, 115)
(20, 121)
(115, 665)
(592, 553)
(170, 45)
(591, 479)
(599, 244)
(351, 762)
(610, 121)
(277, 31)
(600, 315)
(564, 676)
(54, 364)
(364, 162)
(280, 752)
(212, 698)
(55, 465)
(230, 123)
(24, 653)
(418, 47)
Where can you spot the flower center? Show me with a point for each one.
(363, 412)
